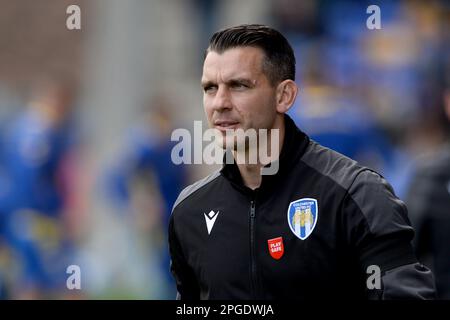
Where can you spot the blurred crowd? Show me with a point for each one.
(68, 197)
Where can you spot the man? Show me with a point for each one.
(313, 229)
(429, 203)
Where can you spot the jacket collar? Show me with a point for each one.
(294, 145)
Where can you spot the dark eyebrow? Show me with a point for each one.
(230, 82)
(207, 84)
(243, 81)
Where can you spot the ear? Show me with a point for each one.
(286, 93)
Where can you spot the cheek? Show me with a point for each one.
(207, 107)
(247, 105)
(257, 109)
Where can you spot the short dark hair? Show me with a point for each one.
(279, 60)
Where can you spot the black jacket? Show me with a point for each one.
(219, 232)
(429, 204)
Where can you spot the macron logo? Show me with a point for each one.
(210, 219)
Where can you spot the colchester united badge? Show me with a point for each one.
(302, 216)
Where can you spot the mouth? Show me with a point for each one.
(225, 124)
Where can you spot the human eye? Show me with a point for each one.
(239, 85)
(209, 88)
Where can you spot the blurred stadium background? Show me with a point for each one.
(86, 117)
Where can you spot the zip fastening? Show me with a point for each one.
(254, 281)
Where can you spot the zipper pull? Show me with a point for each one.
(252, 209)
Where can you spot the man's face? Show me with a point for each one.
(237, 94)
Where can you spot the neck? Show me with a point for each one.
(251, 173)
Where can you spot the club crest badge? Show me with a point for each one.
(276, 247)
(302, 217)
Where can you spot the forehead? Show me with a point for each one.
(238, 62)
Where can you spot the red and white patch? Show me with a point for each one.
(276, 247)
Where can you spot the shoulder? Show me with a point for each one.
(190, 190)
(343, 170)
(331, 164)
(367, 193)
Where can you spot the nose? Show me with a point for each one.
(222, 99)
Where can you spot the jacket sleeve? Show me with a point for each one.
(380, 233)
(187, 287)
